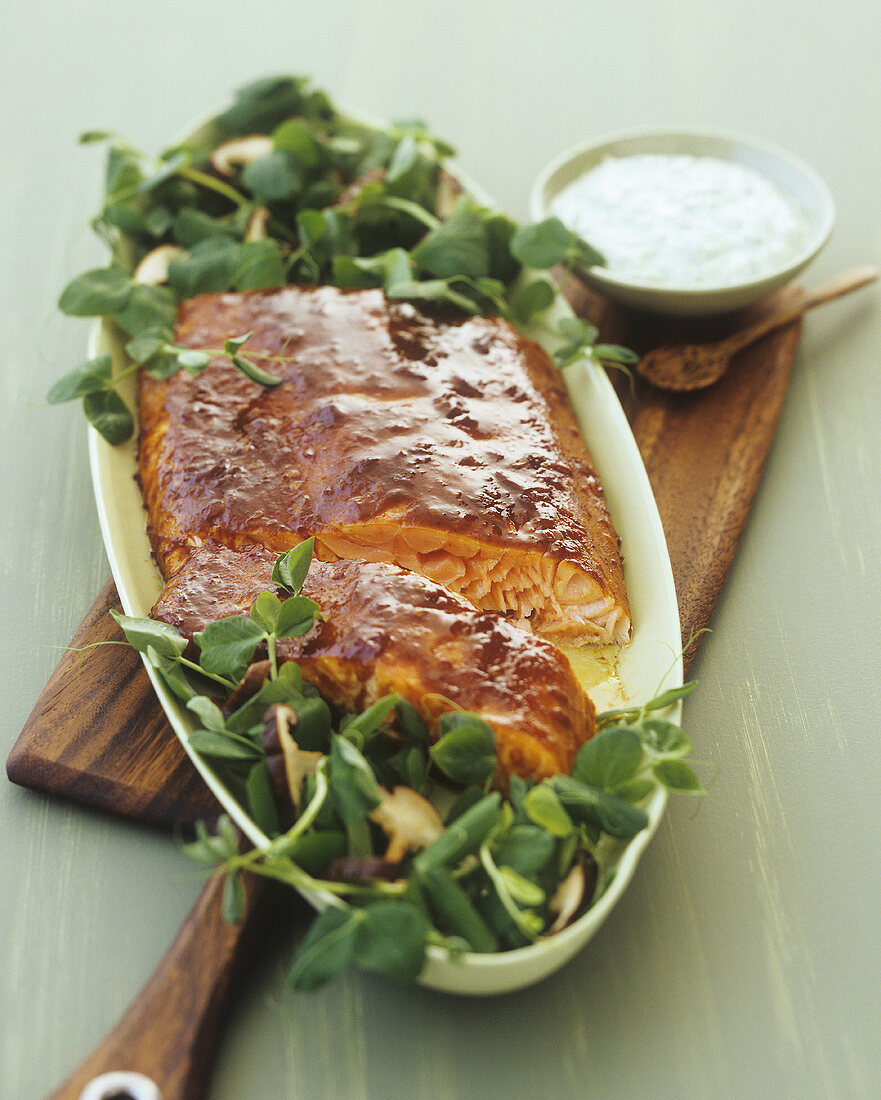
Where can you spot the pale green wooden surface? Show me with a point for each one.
(744, 960)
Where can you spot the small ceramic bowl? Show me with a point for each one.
(795, 179)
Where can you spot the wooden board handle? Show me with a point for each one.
(97, 734)
(170, 1030)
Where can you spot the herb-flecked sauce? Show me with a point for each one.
(683, 222)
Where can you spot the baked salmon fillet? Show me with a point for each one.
(442, 445)
(386, 630)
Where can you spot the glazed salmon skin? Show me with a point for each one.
(389, 631)
(439, 444)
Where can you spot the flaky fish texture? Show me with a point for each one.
(442, 445)
(387, 630)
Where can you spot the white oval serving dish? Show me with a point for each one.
(649, 663)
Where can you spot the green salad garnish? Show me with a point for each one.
(406, 830)
(282, 188)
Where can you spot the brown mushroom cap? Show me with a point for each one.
(278, 722)
(408, 820)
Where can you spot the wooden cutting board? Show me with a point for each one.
(98, 736)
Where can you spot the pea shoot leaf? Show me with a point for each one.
(273, 178)
(667, 698)
(265, 610)
(262, 105)
(526, 848)
(261, 803)
(191, 226)
(259, 264)
(169, 166)
(228, 645)
(89, 377)
(148, 308)
(615, 353)
(635, 790)
(676, 775)
(533, 297)
(172, 674)
(208, 712)
(609, 759)
(327, 950)
(542, 806)
(109, 415)
(233, 901)
(548, 243)
(457, 246)
(542, 245)
(193, 361)
(593, 807)
(313, 722)
(391, 940)
(296, 617)
(369, 722)
(290, 569)
(354, 786)
(665, 737)
(466, 748)
(209, 266)
(224, 745)
(295, 137)
(411, 723)
(145, 345)
(141, 633)
(250, 713)
(208, 849)
(521, 889)
(95, 293)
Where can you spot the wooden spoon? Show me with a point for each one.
(696, 366)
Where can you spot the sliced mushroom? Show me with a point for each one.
(257, 224)
(449, 189)
(278, 722)
(226, 158)
(153, 268)
(408, 820)
(249, 685)
(568, 898)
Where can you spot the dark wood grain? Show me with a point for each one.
(98, 736)
(170, 1031)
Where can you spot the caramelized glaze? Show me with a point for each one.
(387, 630)
(444, 445)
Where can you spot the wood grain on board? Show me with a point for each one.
(98, 736)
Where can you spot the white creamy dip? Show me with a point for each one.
(683, 222)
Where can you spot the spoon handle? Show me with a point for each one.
(835, 288)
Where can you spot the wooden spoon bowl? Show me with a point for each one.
(695, 366)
